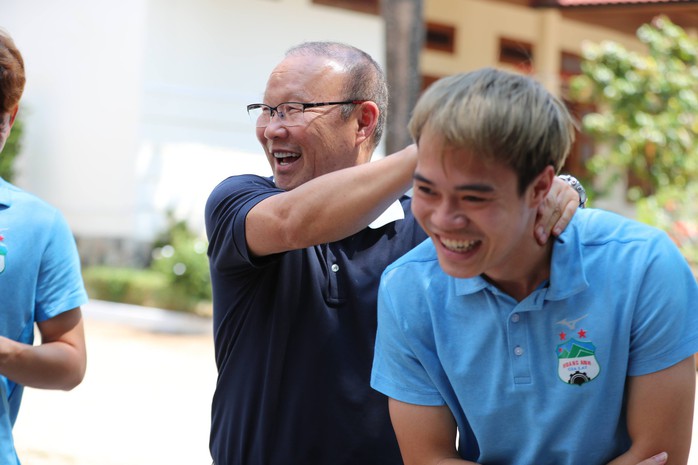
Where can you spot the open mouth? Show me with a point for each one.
(286, 158)
(459, 246)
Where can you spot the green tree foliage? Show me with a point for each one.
(11, 150)
(675, 210)
(648, 124)
(648, 106)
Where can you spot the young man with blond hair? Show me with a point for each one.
(578, 351)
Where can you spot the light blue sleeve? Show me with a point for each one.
(665, 324)
(60, 286)
(398, 371)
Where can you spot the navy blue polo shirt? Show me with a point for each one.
(294, 338)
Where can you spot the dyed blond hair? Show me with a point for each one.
(501, 116)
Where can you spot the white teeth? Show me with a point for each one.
(458, 246)
(280, 155)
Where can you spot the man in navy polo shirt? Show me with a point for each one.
(295, 263)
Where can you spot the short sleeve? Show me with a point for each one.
(665, 325)
(225, 214)
(397, 371)
(60, 286)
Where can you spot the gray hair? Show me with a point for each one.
(366, 80)
(499, 115)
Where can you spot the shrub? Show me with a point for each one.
(126, 285)
(180, 255)
(177, 278)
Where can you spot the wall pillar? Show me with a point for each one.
(547, 53)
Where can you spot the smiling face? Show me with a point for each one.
(471, 209)
(327, 142)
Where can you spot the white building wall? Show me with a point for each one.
(205, 61)
(138, 106)
(81, 106)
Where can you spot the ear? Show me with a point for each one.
(541, 186)
(13, 115)
(367, 120)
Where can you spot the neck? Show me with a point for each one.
(522, 275)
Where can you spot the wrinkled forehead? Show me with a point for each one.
(306, 78)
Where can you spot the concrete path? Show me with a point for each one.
(145, 399)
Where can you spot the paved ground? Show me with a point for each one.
(145, 399)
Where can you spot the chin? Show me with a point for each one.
(456, 271)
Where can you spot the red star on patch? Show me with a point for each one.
(582, 334)
(563, 336)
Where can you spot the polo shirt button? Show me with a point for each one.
(518, 351)
(515, 318)
(335, 268)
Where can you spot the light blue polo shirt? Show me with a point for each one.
(539, 381)
(39, 279)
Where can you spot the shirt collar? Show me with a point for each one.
(393, 213)
(567, 273)
(567, 276)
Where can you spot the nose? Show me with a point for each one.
(449, 216)
(275, 129)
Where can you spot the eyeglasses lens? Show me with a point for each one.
(287, 114)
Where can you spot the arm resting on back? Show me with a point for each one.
(338, 204)
(330, 207)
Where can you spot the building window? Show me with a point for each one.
(516, 53)
(440, 37)
(363, 6)
(428, 80)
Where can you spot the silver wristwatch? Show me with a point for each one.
(576, 185)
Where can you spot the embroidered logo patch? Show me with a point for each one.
(577, 362)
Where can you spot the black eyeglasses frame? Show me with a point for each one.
(304, 105)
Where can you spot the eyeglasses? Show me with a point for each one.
(289, 113)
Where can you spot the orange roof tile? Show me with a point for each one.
(572, 3)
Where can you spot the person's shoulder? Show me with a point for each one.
(599, 225)
(240, 185)
(20, 199)
(242, 180)
(421, 256)
(416, 277)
